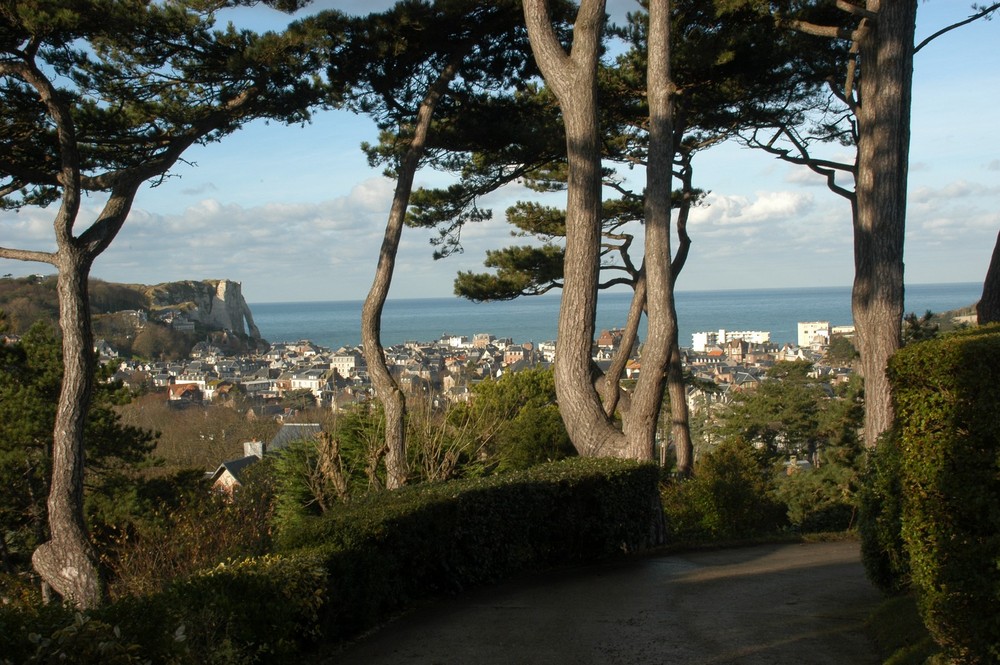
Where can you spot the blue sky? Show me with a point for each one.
(295, 213)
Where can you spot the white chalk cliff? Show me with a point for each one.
(216, 304)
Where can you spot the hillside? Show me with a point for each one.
(151, 321)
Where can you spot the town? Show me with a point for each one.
(443, 371)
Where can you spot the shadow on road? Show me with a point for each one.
(769, 604)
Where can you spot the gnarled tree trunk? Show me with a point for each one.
(572, 78)
(68, 561)
(886, 52)
(386, 388)
(640, 423)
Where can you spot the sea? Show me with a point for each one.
(335, 324)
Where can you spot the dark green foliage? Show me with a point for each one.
(258, 610)
(520, 414)
(782, 414)
(898, 633)
(390, 549)
(205, 529)
(254, 610)
(919, 329)
(30, 377)
(840, 351)
(729, 497)
(823, 498)
(946, 393)
(355, 566)
(880, 517)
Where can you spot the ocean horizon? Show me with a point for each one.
(335, 324)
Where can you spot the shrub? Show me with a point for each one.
(352, 567)
(820, 499)
(262, 609)
(386, 550)
(946, 393)
(880, 517)
(730, 496)
(205, 528)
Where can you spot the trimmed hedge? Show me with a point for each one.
(947, 395)
(880, 516)
(389, 550)
(343, 573)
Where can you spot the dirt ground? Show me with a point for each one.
(795, 604)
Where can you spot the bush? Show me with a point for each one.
(880, 517)
(729, 497)
(385, 551)
(354, 566)
(820, 499)
(898, 633)
(946, 393)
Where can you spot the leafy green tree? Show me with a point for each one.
(840, 351)
(300, 399)
(919, 328)
(730, 496)
(728, 70)
(423, 70)
(313, 475)
(780, 414)
(101, 97)
(30, 376)
(526, 426)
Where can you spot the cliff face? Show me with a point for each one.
(216, 304)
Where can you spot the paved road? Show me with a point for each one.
(798, 604)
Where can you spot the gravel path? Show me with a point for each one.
(795, 604)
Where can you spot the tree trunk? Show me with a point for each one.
(610, 384)
(988, 307)
(680, 416)
(388, 391)
(573, 79)
(68, 562)
(641, 420)
(886, 52)
(680, 420)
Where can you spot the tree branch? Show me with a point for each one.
(975, 17)
(826, 168)
(27, 255)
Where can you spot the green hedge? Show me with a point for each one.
(947, 396)
(342, 573)
(388, 550)
(880, 516)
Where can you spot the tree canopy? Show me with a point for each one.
(104, 96)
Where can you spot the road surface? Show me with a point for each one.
(795, 604)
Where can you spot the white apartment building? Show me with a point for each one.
(843, 331)
(809, 330)
(346, 364)
(701, 340)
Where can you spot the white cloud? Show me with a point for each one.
(279, 250)
(947, 194)
(721, 212)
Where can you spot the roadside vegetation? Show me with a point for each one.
(471, 466)
(106, 505)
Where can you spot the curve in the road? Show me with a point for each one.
(795, 604)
